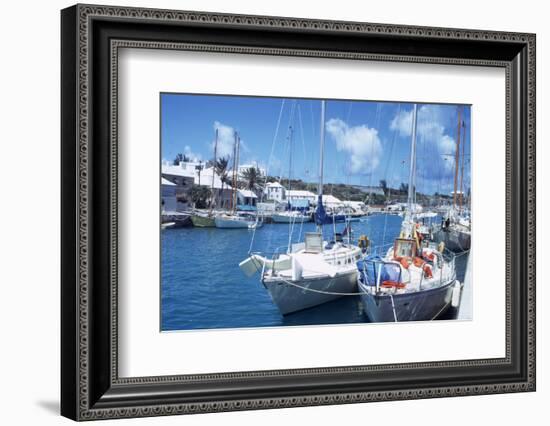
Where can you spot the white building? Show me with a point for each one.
(246, 200)
(331, 202)
(186, 174)
(275, 191)
(244, 167)
(169, 201)
(299, 194)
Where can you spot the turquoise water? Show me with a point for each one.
(202, 286)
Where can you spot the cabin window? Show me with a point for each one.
(404, 248)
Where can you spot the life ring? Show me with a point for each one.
(427, 271)
(403, 261)
(392, 284)
(428, 255)
(418, 262)
(363, 242)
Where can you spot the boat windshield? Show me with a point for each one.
(404, 248)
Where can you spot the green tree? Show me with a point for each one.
(180, 158)
(252, 177)
(200, 195)
(221, 170)
(384, 186)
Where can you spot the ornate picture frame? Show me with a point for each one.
(90, 39)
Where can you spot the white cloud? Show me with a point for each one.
(361, 142)
(190, 154)
(226, 140)
(431, 132)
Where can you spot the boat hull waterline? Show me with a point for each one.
(203, 221)
(290, 297)
(283, 218)
(414, 306)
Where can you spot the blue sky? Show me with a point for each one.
(365, 141)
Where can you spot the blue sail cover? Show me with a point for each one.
(321, 217)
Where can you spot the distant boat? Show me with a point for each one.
(203, 220)
(455, 229)
(207, 220)
(414, 280)
(290, 217)
(237, 221)
(312, 272)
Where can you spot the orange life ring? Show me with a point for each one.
(404, 262)
(418, 262)
(428, 256)
(427, 271)
(392, 284)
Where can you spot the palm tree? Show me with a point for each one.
(200, 195)
(180, 158)
(384, 186)
(252, 177)
(221, 170)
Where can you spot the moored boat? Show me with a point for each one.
(236, 221)
(203, 221)
(415, 280)
(309, 273)
(290, 217)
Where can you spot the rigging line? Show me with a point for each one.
(274, 138)
(302, 132)
(267, 167)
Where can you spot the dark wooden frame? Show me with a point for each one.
(90, 386)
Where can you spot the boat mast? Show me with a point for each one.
(412, 170)
(462, 166)
(457, 156)
(321, 155)
(233, 172)
(290, 132)
(238, 142)
(213, 173)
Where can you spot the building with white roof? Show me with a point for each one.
(246, 200)
(299, 194)
(169, 201)
(275, 191)
(331, 202)
(186, 174)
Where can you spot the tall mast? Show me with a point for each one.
(233, 171)
(290, 132)
(213, 172)
(236, 173)
(321, 149)
(457, 156)
(412, 170)
(462, 165)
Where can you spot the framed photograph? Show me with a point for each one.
(263, 212)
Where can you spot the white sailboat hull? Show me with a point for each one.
(230, 223)
(284, 218)
(291, 296)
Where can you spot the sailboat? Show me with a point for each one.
(234, 220)
(312, 272)
(415, 280)
(202, 219)
(290, 216)
(455, 230)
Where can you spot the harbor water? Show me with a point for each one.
(202, 286)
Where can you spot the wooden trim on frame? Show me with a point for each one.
(90, 38)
